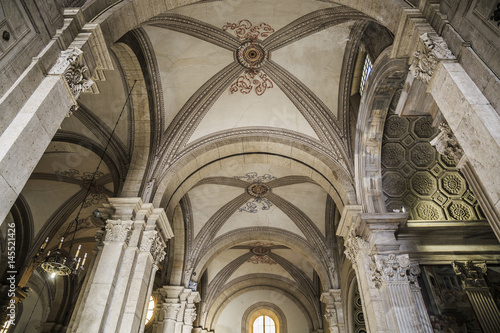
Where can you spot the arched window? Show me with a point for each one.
(264, 324)
(151, 307)
(263, 317)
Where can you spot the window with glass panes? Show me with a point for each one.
(264, 324)
(367, 68)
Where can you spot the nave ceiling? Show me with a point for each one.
(245, 108)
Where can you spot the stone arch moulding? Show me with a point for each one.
(275, 235)
(247, 316)
(141, 118)
(216, 155)
(247, 285)
(387, 76)
(125, 15)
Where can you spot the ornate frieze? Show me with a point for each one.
(447, 144)
(430, 51)
(389, 268)
(70, 65)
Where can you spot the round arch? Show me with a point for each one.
(387, 77)
(125, 15)
(225, 152)
(264, 308)
(275, 235)
(248, 284)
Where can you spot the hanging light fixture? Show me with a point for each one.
(55, 262)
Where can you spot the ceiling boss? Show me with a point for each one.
(251, 55)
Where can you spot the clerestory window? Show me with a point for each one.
(367, 68)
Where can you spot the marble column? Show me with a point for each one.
(472, 275)
(383, 274)
(179, 312)
(390, 275)
(120, 282)
(423, 316)
(334, 313)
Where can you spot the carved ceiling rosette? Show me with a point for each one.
(189, 316)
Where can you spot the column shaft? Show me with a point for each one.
(118, 289)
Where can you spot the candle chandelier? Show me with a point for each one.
(55, 262)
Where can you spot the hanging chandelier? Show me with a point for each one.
(55, 262)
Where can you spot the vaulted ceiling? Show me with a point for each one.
(263, 88)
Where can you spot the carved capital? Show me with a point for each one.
(430, 50)
(157, 250)
(118, 231)
(70, 65)
(471, 273)
(413, 276)
(447, 144)
(389, 268)
(170, 311)
(331, 317)
(147, 240)
(189, 316)
(99, 237)
(354, 244)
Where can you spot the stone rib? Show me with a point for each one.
(289, 180)
(215, 286)
(311, 107)
(188, 118)
(223, 181)
(213, 225)
(196, 28)
(348, 66)
(305, 284)
(310, 24)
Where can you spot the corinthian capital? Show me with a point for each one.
(170, 311)
(354, 244)
(189, 316)
(77, 75)
(471, 273)
(117, 231)
(430, 50)
(390, 268)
